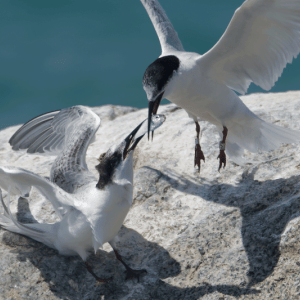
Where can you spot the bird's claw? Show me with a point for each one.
(222, 157)
(100, 281)
(131, 274)
(198, 156)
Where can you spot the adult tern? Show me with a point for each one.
(91, 211)
(262, 37)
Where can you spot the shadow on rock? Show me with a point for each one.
(24, 214)
(67, 277)
(266, 208)
(162, 290)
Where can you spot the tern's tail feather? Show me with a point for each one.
(257, 135)
(38, 232)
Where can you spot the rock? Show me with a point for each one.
(110, 112)
(233, 234)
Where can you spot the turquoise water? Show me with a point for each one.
(60, 53)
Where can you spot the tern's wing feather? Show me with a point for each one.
(69, 170)
(168, 37)
(262, 37)
(19, 181)
(30, 132)
(49, 132)
(66, 133)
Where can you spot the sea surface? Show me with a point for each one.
(59, 53)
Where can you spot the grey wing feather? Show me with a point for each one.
(167, 35)
(69, 171)
(66, 133)
(30, 134)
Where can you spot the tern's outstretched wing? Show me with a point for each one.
(39, 136)
(67, 134)
(48, 133)
(168, 37)
(19, 181)
(262, 37)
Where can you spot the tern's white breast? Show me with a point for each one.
(192, 89)
(105, 209)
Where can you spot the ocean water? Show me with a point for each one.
(59, 53)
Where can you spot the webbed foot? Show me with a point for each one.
(100, 281)
(131, 274)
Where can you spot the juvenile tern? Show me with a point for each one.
(91, 211)
(262, 37)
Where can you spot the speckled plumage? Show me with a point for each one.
(91, 210)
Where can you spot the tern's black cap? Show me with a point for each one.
(160, 71)
(107, 167)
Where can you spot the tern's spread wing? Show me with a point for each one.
(39, 136)
(19, 181)
(48, 133)
(262, 37)
(67, 134)
(168, 37)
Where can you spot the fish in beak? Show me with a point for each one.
(152, 110)
(137, 134)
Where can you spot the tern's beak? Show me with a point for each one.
(152, 109)
(131, 141)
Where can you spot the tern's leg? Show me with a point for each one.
(198, 152)
(130, 273)
(99, 280)
(222, 155)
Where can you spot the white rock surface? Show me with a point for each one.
(233, 234)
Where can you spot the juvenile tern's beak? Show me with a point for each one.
(152, 109)
(130, 138)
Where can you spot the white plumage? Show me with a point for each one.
(262, 37)
(92, 211)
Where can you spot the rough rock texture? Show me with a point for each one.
(233, 234)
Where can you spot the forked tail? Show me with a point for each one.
(257, 135)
